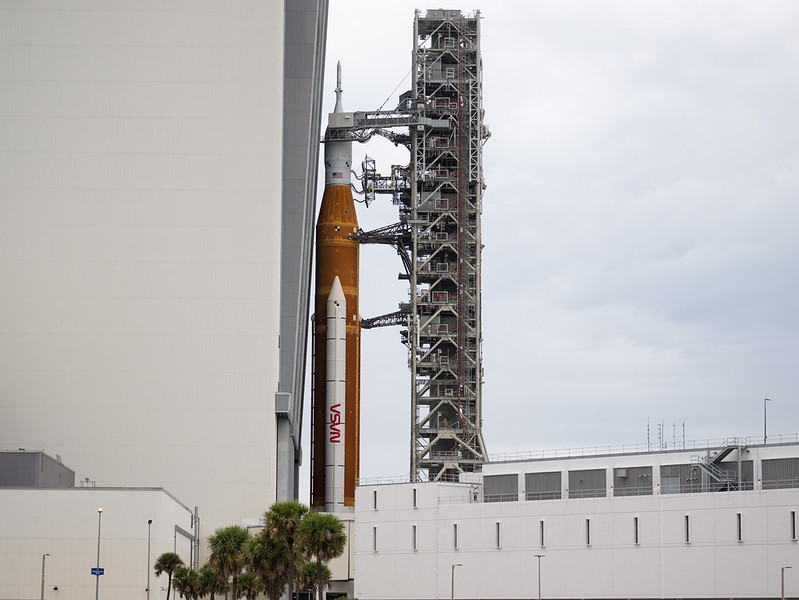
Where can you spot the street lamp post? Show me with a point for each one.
(43, 557)
(765, 400)
(539, 557)
(97, 572)
(782, 573)
(149, 525)
(453, 579)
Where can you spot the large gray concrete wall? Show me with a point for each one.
(140, 242)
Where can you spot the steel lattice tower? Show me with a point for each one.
(444, 335)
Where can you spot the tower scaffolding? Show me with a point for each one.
(438, 237)
(443, 212)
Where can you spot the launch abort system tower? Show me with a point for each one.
(444, 335)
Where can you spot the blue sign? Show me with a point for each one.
(98, 571)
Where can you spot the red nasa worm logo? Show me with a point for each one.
(335, 421)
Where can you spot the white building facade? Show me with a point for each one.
(156, 211)
(49, 542)
(667, 536)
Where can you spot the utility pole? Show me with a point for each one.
(539, 557)
(765, 400)
(43, 557)
(782, 586)
(452, 584)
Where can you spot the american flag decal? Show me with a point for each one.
(338, 175)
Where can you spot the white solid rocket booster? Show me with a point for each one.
(335, 391)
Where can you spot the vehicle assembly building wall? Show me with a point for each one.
(681, 544)
(305, 43)
(140, 219)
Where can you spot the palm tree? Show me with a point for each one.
(210, 582)
(167, 563)
(187, 582)
(266, 555)
(226, 544)
(250, 585)
(282, 520)
(322, 535)
(306, 578)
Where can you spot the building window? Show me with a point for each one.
(687, 529)
(374, 539)
(793, 525)
(501, 488)
(414, 497)
(739, 527)
(374, 499)
(541, 534)
(588, 532)
(635, 530)
(499, 535)
(455, 536)
(413, 537)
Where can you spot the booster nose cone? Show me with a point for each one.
(335, 397)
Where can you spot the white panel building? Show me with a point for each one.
(49, 542)
(157, 191)
(632, 525)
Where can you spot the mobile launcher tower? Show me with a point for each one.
(443, 215)
(438, 237)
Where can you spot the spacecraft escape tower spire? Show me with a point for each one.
(444, 335)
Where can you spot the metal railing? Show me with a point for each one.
(779, 484)
(588, 493)
(647, 490)
(616, 449)
(551, 495)
(507, 497)
(383, 480)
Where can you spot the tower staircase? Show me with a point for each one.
(710, 464)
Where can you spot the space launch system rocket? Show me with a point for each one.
(337, 331)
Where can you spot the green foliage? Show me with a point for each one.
(267, 556)
(308, 576)
(210, 582)
(282, 520)
(227, 557)
(322, 535)
(187, 583)
(292, 533)
(249, 586)
(167, 563)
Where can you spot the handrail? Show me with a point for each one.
(717, 473)
(610, 449)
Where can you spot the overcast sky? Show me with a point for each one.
(641, 222)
